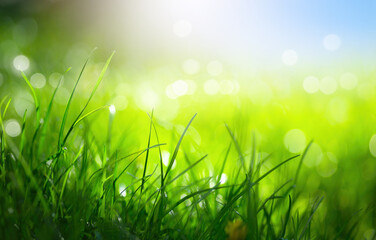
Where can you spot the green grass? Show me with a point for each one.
(59, 179)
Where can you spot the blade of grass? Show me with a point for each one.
(99, 80)
(173, 157)
(65, 115)
(147, 152)
(36, 102)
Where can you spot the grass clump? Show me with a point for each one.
(53, 188)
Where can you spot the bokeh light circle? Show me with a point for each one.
(211, 87)
(38, 80)
(372, 145)
(295, 140)
(214, 68)
(12, 128)
(328, 85)
(191, 66)
(348, 81)
(21, 63)
(311, 84)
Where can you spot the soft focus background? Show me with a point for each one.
(279, 73)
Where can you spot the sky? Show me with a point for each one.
(261, 33)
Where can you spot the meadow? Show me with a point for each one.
(93, 149)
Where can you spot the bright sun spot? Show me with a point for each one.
(112, 109)
(182, 28)
(122, 190)
(223, 178)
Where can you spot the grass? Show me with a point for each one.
(60, 182)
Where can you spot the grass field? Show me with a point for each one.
(97, 145)
(80, 169)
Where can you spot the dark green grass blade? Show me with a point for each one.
(272, 196)
(173, 157)
(36, 102)
(22, 141)
(301, 161)
(229, 204)
(223, 163)
(48, 113)
(186, 170)
(237, 147)
(287, 217)
(147, 152)
(135, 158)
(69, 103)
(314, 208)
(99, 80)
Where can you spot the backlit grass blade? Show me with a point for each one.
(173, 157)
(48, 113)
(147, 152)
(301, 161)
(99, 80)
(65, 115)
(36, 102)
(22, 141)
(314, 208)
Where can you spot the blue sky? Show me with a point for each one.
(239, 30)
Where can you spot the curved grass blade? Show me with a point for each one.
(62, 126)
(147, 153)
(173, 157)
(99, 80)
(36, 102)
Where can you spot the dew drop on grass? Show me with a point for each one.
(223, 178)
(122, 190)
